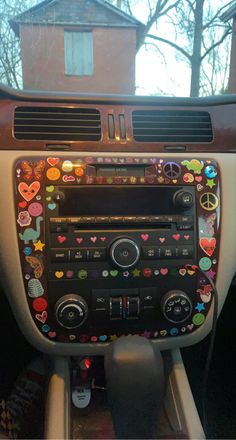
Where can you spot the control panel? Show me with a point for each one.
(108, 245)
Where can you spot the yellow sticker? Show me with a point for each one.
(53, 173)
(59, 274)
(209, 201)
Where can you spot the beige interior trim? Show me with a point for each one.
(10, 263)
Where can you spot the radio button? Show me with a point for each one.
(149, 253)
(117, 220)
(102, 219)
(87, 220)
(96, 254)
(125, 253)
(185, 251)
(58, 227)
(61, 255)
(184, 226)
(78, 254)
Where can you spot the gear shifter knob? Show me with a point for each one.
(135, 383)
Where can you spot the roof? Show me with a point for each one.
(75, 12)
(229, 14)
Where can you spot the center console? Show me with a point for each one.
(109, 245)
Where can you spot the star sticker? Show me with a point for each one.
(38, 246)
(136, 273)
(210, 183)
(200, 307)
(211, 273)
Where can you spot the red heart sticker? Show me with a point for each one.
(22, 204)
(208, 245)
(53, 161)
(28, 192)
(42, 317)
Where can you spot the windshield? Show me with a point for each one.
(142, 47)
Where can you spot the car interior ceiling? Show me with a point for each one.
(117, 255)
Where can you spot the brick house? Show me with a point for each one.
(77, 46)
(229, 15)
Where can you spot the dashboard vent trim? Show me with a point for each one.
(57, 123)
(182, 126)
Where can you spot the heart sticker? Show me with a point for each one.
(22, 204)
(50, 188)
(145, 237)
(208, 245)
(79, 240)
(164, 271)
(59, 274)
(103, 238)
(162, 239)
(61, 239)
(93, 239)
(52, 206)
(186, 237)
(176, 237)
(53, 161)
(28, 192)
(42, 316)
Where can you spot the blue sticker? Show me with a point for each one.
(200, 307)
(210, 172)
(103, 338)
(205, 263)
(35, 288)
(174, 331)
(27, 251)
(52, 206)
(45, 328)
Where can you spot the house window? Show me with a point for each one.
(78, 53)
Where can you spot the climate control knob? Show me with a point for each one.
(71, 311)
(125, 252)
(176, 306)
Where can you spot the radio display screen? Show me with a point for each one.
(118, 200)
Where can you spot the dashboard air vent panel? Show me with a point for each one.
(181, 126)
(57, 123)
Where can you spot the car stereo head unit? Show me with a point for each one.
(107, 244)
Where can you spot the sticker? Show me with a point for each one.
(210, 183)
(156, 272)
(162, 239)
(53, 173)
(22, 204)
(67, 166)
(193, 165)
(103, 239)
(38, 246)
(183, 329)
(79, 240)
(35, 209)
(188, 178)
(59, 274)
(68, 179)
(31, 234)
(105, 273)
(136, 273)
(209, 201)
(114, 273)
(208, 245)
(72, 337)
(24, 219)
(61, 239)
(113, 338)
(69, 274)
(52, 206)
(39, 304)
(36, 264)
(83, 338)
(210, 172)
(174, 331)
(28, 192)
(186, 237)
(35, 288)
(199, 187)
(198, 319)
(103, 338)
(198, 179)
(172, 170)
(82, 274)
(38, 197)
(52, 161)
(45, 328)
(182, 272)
(32, 171)
(144, 237)
(163, 332)
(164, 271)
(200, 307)
(48, 198)
(93, 239)
(176, 237)
(50, 188)
(205, 263)
(126, 274)
(211, 274)
(27, 250)
(52, 334)
(27, 276)
(147, 272)
(191, 272)
(79, 171)
(190, 327)
(94, 338)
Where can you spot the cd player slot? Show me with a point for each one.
(78, 228)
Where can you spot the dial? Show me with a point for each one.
(124, 253)
(71, 311)
(176, 306)
(183, 199)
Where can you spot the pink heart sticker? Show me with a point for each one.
(93, 239)
(145, 237)
(186, 237)
(79, 240)
(164, 271)
(53, 161)
(162, 239)
(52, 334)
(42, 316)
(103, 238)
(198, 178)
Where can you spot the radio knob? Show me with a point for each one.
(125, 253)
(71, 311)
(183, 199)
(176, 306)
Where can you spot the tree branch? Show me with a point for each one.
(217, 43)
(170, 43)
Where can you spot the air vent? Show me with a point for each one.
(57, 123)
(172, 126)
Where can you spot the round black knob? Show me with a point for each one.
(176, 306)
(183, 199)
(59, 196)
(124, 253)
(71, 311)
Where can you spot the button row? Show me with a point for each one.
(73, 255)
(167, 252)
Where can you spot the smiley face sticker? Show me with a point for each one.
(53, 173)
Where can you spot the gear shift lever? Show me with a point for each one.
(135, 383)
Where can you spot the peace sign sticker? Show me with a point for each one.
(209, 201)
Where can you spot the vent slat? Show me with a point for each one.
(171, 126)
(59, 123)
